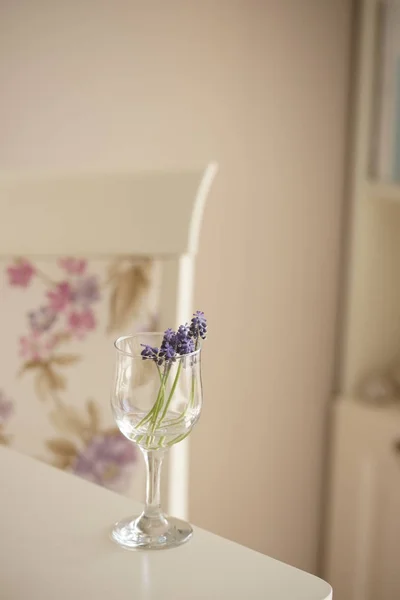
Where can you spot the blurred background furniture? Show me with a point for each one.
(362, 554)
(85, 258)
(362, 541)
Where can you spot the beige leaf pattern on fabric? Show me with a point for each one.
(65, 359)
(54, 380)
(64, 452)
(61, 337)
(115, 268)
(48, 381)
(68, 421)
(65, 317)
(61, 447)
(41, 386)
(4, 438)
(28, 366)
(62, 462)
(94, 416)
(130, 281)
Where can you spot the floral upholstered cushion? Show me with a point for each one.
(59, 318)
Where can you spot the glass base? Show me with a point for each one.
(141, 533)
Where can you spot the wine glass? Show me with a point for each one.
(156, 403)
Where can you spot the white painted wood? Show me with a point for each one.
(55, 543)
(104, 214)
(150, 213)
(363, 536)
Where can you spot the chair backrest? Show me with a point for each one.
(86, 257)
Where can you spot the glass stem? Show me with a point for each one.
(153, 459)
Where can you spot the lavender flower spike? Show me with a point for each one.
(186, 346)
(176, 343)
(183, 332)
(185, 342)
(169, 337)
(151, 353)
(198, 325)
(168, 345)
(168, 351)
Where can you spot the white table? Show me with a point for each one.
(54, 544)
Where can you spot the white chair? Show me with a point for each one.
(86, 257)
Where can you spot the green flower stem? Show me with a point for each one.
(160, 403)
(149, 440)
(155, 408)
(147, 417)
(178, 372)
(153, 417)
(179, 438)
(159, 373)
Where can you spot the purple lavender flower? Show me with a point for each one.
(167, 351)
(169, 337)
(198, 325)
(6, 408)
(185, 343)
(168, 345)
(151, 353)
(86, 291)
(183, 332)
(42, 319)
(186, 346)
(107, 460)
(177, 343)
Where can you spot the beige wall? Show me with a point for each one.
(262, 88)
